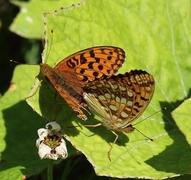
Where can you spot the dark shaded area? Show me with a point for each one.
(21, 151)
(179, 148)
(77, 167)
(14, 47)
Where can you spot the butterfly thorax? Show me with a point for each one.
(57, 79)
(109, 124)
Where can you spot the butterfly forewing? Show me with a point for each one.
(92, 63)
(120, 99)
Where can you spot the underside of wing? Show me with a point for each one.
(123, 97)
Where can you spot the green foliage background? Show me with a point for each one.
(156, 38)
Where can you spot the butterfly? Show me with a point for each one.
(120, 99)
(71, 74)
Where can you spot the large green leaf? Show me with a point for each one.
(29, 21)
(156, 38)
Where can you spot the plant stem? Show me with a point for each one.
(50, 170)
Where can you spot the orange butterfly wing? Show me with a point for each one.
(71, 74)
(90, 64)
(120, 99)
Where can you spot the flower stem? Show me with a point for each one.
(50, 170)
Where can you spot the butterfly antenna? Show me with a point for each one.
(163, 109)
(16, 62)
(147, 118)
(144, 135)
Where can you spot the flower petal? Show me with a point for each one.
(55, 126)
(43, 150)
(62, 150)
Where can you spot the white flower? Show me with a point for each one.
(50, 143)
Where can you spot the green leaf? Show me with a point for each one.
(156, 38)
(29, 21)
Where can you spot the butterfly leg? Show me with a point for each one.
(80, 113)
(116, 137)
(95, 125)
